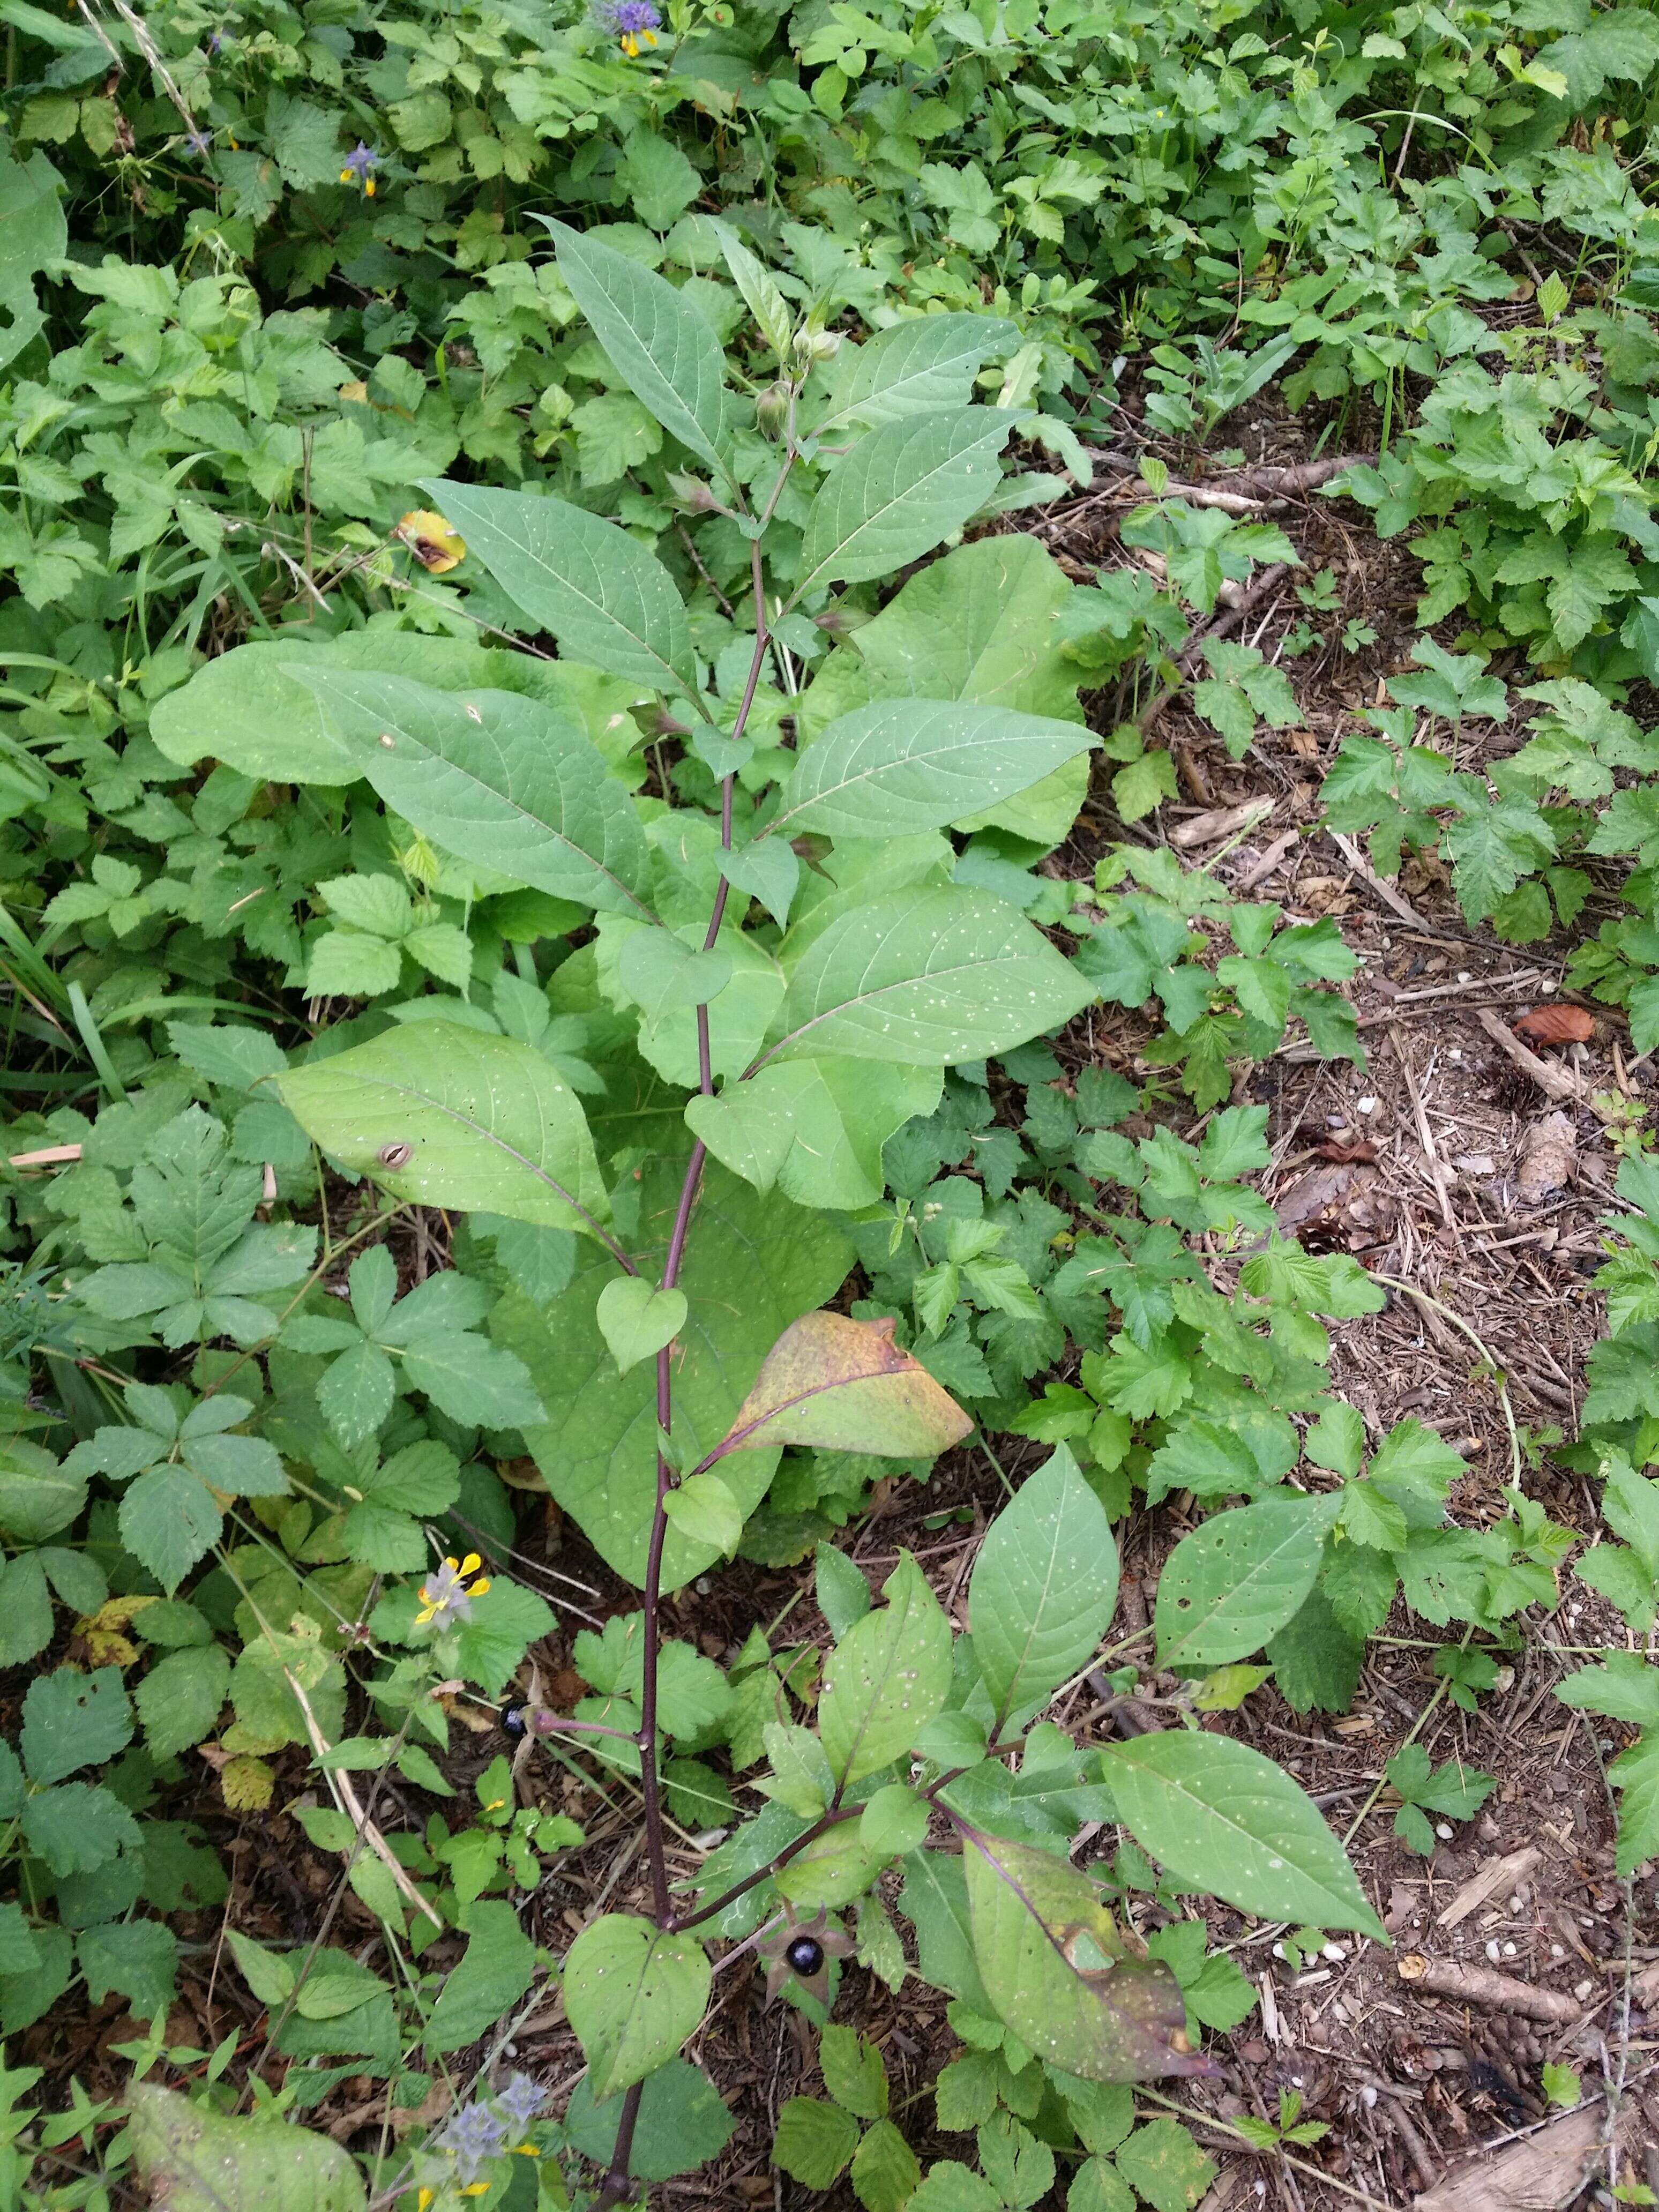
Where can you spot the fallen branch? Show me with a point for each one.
(1485, 1985)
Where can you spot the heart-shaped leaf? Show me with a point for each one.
(636, 1319)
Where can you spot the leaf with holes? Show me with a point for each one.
(1043, 1586)
(193, 2160)
(446, 1116)
(886, 1679)
(1236, 1580)
(1222, 1818)
(633, 1994)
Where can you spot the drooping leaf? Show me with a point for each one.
(498, 779)
(1236, 1579)
(1059, 1975)
(606, 597)
(193, 2160)
(901, 766)
(844, 1385)
(446, 1116)
(1043, 1587)
(1223, 1819)
(633, 1994)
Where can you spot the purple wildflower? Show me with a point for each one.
(630, 21)
(521, 2100)
(199, 141)
(474, 2136)
(360, 167)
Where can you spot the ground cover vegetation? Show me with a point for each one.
(608, 992)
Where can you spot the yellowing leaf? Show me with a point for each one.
(844, 1385)
(435, 544)
(246, 1784)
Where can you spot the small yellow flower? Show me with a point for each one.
(447, 1596)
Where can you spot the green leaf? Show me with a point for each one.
(659, 343)
(926, 362)
(1162, 2162)
(637, 1320)
(815, 1127)
(1043, 1587)
(473, 1381)
(1234, 1581)
(752, 1267)
(137, 1958)
(168, 1520)
(899, 492)
(492, 1975)
(704, 1511)
(981, 625)
(1223, 1819)
(900, 767)
(453, 1117)
(935, 975)
(682, 2123)
(843, 1594)
(885, 2170)
(597, 590)
(77, 1827)
(1059, 1974)
(814, 2142)
(886, 1679)
(72, 1720)
(178, 1699)
(193, 2160)
(507, 783)
(893, 1822)
(270, 1974)
(853, 2072)
(633, 1995)
(844, 1385)
(1635, 1775)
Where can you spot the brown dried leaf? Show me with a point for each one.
(844, 1385)
(1556, 1024)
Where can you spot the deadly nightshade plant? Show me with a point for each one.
(785, 975)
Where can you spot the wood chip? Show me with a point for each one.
(1485, 1985)
(1495, 1877)
(1549, 1155)
(1541, 2173)
(1220, 822)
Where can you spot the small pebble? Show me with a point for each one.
(1491, 1950)
(1557, 1950)
(1334, 1951)
(1365, 1106)
(1443, 1830)
(1582, 1989)
(1509, 1950)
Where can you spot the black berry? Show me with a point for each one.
(805, 1955)
(514, 1719)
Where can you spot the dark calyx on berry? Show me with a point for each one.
(806, 1954)
(514, 1719)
